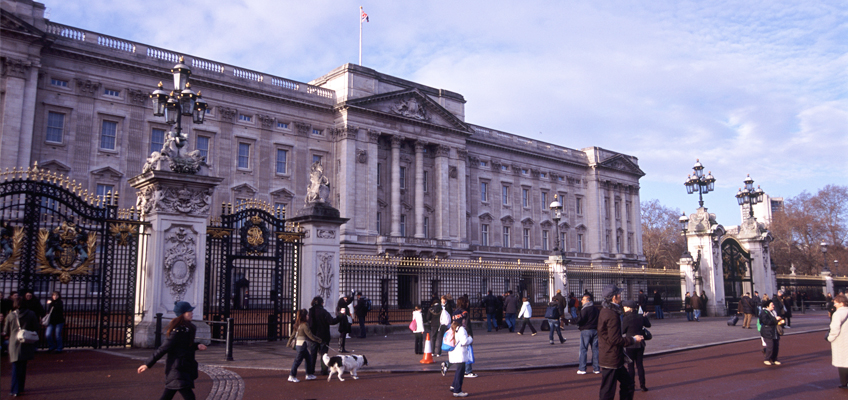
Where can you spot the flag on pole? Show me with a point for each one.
(363, 17)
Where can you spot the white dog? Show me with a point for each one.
(340, 364)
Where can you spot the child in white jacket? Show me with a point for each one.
(419, 330)
(460, 355)
(525, 314)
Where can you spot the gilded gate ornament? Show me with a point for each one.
(124, 232)
(66, 251)
(254, 236)
(11, 243)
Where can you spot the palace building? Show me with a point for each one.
(412, 175)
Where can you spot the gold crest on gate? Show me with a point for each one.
(67, 250)
(254, 236)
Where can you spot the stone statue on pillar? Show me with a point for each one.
(704, 272)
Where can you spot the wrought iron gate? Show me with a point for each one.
(736, 263)
(55, 237)
(252, 267)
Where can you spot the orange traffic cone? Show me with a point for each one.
(428, 352)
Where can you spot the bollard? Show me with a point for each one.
(157, 341)
(230, 331)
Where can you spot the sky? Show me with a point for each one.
(748, 87)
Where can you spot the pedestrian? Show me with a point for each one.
(642, 299)
(439, 320)
(611, 345)
(779, 307)
(696, 307)
(510, 309)
(687, 307)
(55, 323)
(450, 305)
(179, 346)
(787, 307)
(755, 300)
(418, 330)
(658, 303)
(768, 331)
(20, 353)
(462, 355)
(562, 305)
(704, 302)
(301, 336)
(461, 315)
(575, 304)
(363, 305)
(34, 304)
(838, 338)
(553, 314)
(490, 303)
(588, 326)
(747, 307)
(829, 305)
(634, 324)
(525, 314)
(345, 321)
(499, 313)
(319, 321)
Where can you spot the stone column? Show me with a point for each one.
(559, 275)
(177, 207)
(704, 238)
(442, 193)
(611, 211)
(828, 282)
(319, 268)
(461, 158)
(348, 179)
(18, 112)
(419, 189)
(371, 191)
(396, 141)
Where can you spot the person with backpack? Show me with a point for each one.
(363, 306)
(461, 355)
(552, 314)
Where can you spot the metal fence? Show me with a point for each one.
(396, 284)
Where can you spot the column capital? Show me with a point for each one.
(420, 146)
(442, 151)
(373, 136)
(462, 154)
(15, 67)
(396, 141)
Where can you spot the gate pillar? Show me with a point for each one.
(704, 273)
(177, 206)
(755, 238)
(559, 275)
(319, 268)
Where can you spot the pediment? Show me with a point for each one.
(11, 22)
(411, 105)
(507, 220)
(244, 190)
(55, 166)
(527, 222)
(283, 195)
(485, 217)
(107, 173)
(623, 164)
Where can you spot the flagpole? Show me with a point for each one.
(360, 35)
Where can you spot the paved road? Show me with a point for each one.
(731, 371)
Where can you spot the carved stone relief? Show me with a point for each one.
(227, 114)
(362, 156)
(373, 136)
(301, 128)
(324, 273)
(155, 198)
(325, 233)
(266, 120)
(410, 108)
(15, 67)
(88, 87)
(180, 261)
(346, 132)
(136, 97)
(452, 172)
(442, 151)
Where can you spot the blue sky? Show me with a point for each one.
(748, 87)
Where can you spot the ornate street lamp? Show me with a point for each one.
(823, 246)
(700, 183)
(749, 195)
(556, 208)
(181, 101)
(684, 223)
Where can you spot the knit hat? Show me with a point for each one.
(610, 291)
(182, 307)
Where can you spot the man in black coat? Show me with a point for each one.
(319, 323)
(642, 300)
(658, 304)
(746, 306)
(611, 346)
(491, 305)
(588, 326)
(361, 310)
(562, 304)
(511, 306)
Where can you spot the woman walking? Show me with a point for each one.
(838, 338)
(300, 335)
(56, 322)
(179, 346)
(633, 324)
(525, 315)
(20, 353)
(460, 355)
(768, 331)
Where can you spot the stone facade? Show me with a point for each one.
(411, 174)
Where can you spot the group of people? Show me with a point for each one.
(695, 306)
(27, 313)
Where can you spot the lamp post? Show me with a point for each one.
(556, 209)
(181, 101)
(700, 183)
(749, 195)
(823, 246)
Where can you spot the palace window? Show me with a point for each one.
(426, 227)
(379, 174)
(112, 92)
(55, 127)
(526, 238)
(579, 242)
(424, 181)
(505, 195)
(506, 236)
(282, 156)
(484, 235)
(403, 177)
(578, 205)
(282, 125)
(157, 139)
(244, 155)
(58, 82)
(484, 192)
(203, 145)
(525, 198)
(379, 223)
(245, 118)
(545, 204)
(108, 135)
(544, 240)
(403, 225)
(102, 190)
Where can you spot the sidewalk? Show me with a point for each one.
(495, 351)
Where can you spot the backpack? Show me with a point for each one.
(448, 341)
(367, 303)
(552, 312)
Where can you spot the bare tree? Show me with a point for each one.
(662, 241)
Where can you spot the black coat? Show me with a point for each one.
(632, 324)
(491, 303)
(320, 321)
(344, 325)
(588, 317)
(180, 366)
(435, 313)
(57, 312)
(746, 306)
(643, 300)
(610, 341)
(768, 325)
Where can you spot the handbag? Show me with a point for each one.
(646, 334)
(413, 326)
(780, 330)
(25, 336)
(45, 320)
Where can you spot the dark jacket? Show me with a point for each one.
(34, 305)
(768, 322)
(746, 306)
(696, 302)
(658, 299)
(778, 306)
(320, 321)
(361, 307)
(632, 324)
(511, 305)
(561, 303)
(180, 366)
(788, 303)
(464, 318)
(588, 317)
(610, 342)
(435, 313)
(643, 300)
(28, 320)
(704, 302)
(687, 304)
(57, 312)
(344, 325)
(491, 303)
